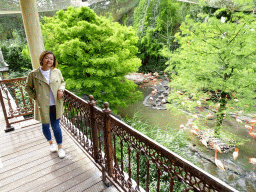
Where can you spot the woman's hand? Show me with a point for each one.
(60, 95)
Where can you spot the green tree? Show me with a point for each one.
(155, 23)
(12, 52)
(94, 55)
(231, 5)
(215, 64)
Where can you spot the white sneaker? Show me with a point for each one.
(53, 148)
(61, 153)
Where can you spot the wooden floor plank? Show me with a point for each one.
(34, 154)
(92, 184)
(19, 136)
(27, 163)
(18, 142)
(44, 177)
(31, 144)
(76, 178)
(9, 148)
(64, 177)
(22, 146)
(27, 175)
(34, 146)
(21, 131)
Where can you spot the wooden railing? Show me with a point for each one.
(127, 157)
(18, 102)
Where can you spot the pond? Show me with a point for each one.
(239, 173)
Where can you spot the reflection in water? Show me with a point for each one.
(239, 174)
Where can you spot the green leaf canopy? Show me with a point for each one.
(215, 56)
(94, 54)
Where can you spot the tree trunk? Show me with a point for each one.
(220, 114)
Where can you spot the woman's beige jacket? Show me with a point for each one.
(38, 88)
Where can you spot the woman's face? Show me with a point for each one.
(48, 61)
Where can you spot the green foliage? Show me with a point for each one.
(169, 138)
(230, 5)
(10, 24)
(94, 55)
(117, 8)
(156, 23)
(12, 52)
(215, 58)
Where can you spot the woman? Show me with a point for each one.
(46, 85)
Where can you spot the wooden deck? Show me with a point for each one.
(26, 164)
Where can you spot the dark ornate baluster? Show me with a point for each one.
(8, 126)
(129, 182)
(116, 168)
(16, 101)
(138, 170)
(95, 140)
(23, 99)
(122, 155)
(9, 102)
(107, 139)
(147, 184)
(171, 182)
(158, 177)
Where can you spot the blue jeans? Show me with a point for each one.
(55, 124)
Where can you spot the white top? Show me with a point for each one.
(47, 76)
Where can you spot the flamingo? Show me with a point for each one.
(195, 116)
(252, 121)
(179, 93)
(252, 134)
(209, 116)
(239, 120)
(190, 124)
(218, 162)
(151, 99)
(195, 127)
(248, 126)
(235, 153)
(216, 147)
(194, 132)
(252, 161)
(163, 102)
(182, 127)
(204, 142)
(236, 100)
(199, 105)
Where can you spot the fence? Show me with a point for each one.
(127, 157)
(21, 106)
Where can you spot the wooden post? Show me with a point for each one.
(8, 126)
(94, 130)
(107, 140)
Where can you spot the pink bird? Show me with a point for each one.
(204, 142)
(252, 161)
(216, 147)
(235, 153)
(253, 135)
(218, 162)
(193, 131)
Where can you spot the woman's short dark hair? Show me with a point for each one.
(43, 54)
